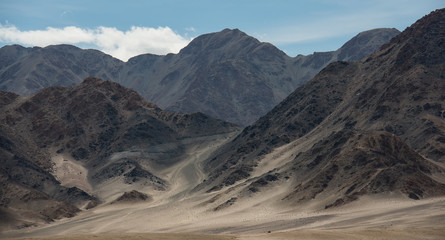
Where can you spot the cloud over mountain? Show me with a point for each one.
(120, 44)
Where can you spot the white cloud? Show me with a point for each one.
(69, 35)
(122, 45)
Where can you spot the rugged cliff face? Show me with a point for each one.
(227, 75)
(357, 128)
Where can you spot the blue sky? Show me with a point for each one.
(127, 28)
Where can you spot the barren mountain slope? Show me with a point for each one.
(29, 193)
(375, 126)
(228, 75)
(64, 145)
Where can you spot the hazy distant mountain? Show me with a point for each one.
(228, 75)
(357, 128)
(61, 146)
(25, 71)
(359, 47)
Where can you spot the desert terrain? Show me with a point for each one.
(423, 233)
(357, 152)
(181, 213)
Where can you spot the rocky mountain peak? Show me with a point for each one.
(365, 43)
(226, 42)
(426, 28)
(421, 43)
(97, 84)
(62, 47)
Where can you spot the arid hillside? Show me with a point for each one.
(67, 149)
(358, 128)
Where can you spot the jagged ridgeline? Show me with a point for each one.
(227, 75)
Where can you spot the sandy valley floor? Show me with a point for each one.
(180, 213)
(367, 219)
(356, 234)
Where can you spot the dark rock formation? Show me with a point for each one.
(101, 125)
(132, 197)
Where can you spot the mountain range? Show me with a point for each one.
(357, 136)
(227, 75)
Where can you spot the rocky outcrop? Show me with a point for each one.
(132, 197)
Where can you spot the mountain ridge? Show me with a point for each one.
(228, 75)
